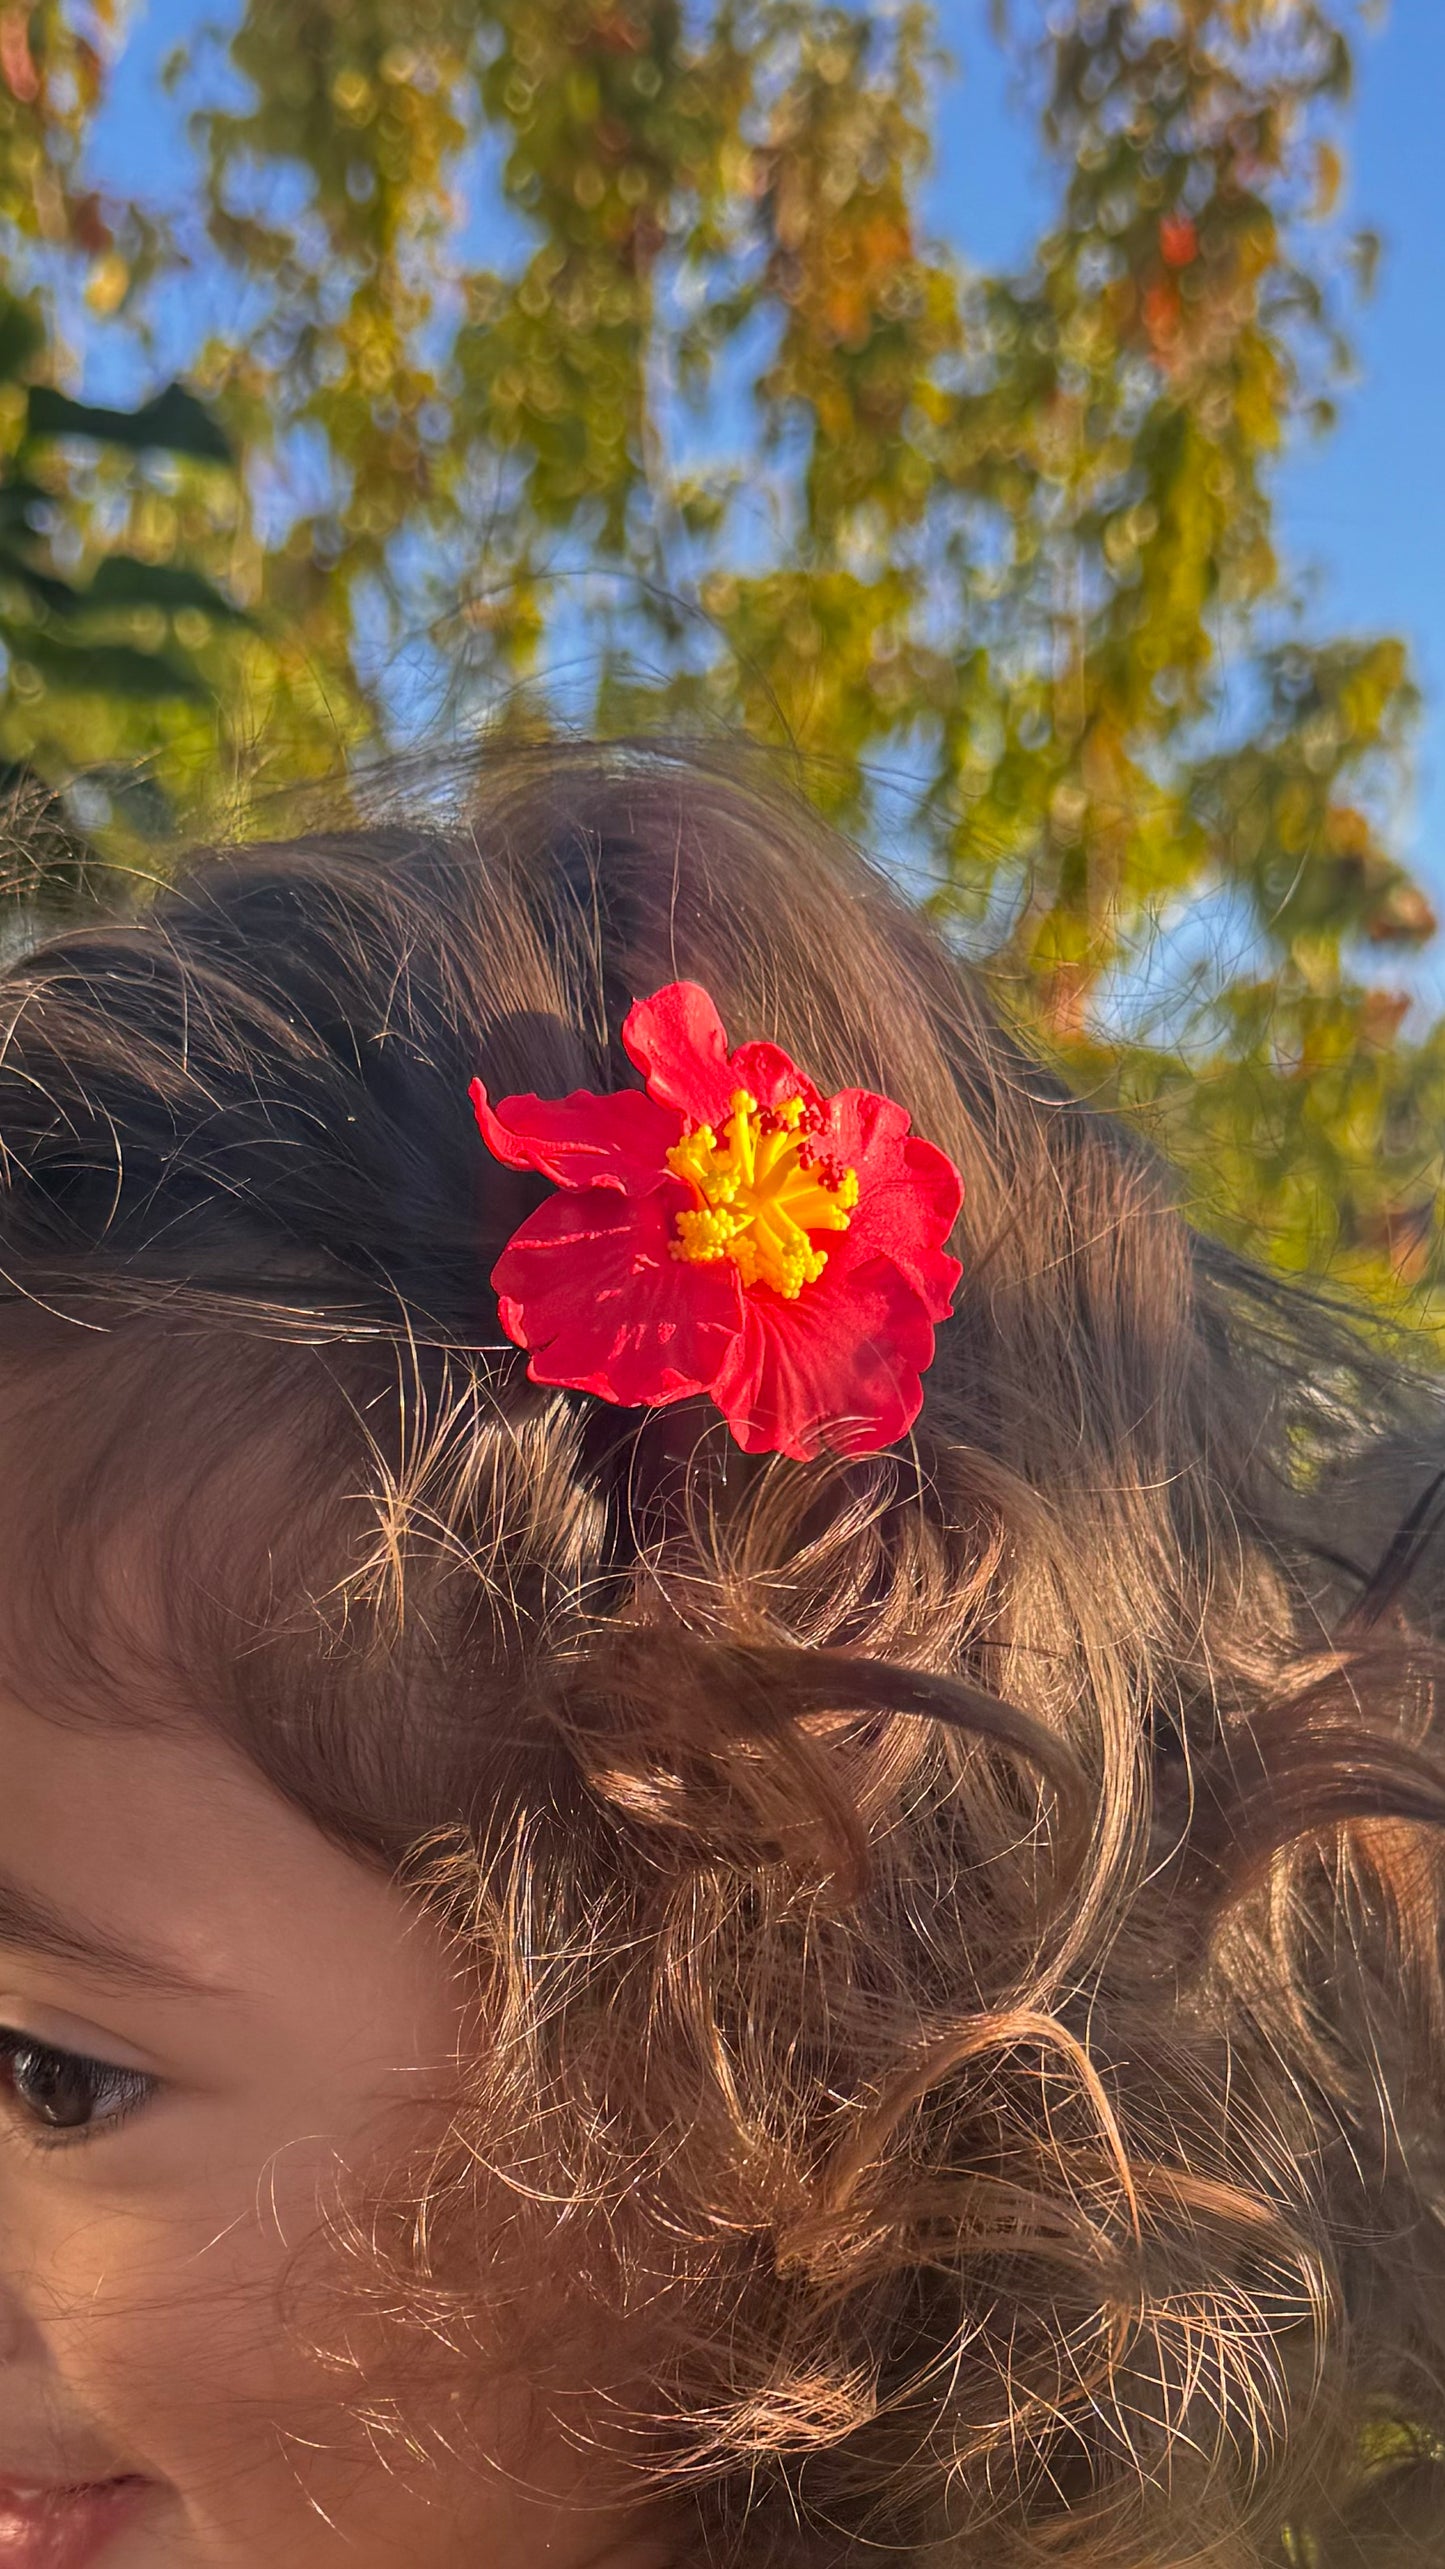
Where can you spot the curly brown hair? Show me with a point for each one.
(956, 1931)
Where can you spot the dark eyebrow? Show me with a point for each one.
(29, 1922)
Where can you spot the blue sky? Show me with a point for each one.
(1362, 515)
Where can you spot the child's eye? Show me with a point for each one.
(58, 2092)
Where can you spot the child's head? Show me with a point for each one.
(685, 2003)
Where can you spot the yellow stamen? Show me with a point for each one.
(760, 1191)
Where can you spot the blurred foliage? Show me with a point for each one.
(104, 625)
(601, 336)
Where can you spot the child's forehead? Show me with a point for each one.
(159, 1867)
(155, 1487)
(106, 1829)
(205, 1531)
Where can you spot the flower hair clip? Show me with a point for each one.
(728, 1230)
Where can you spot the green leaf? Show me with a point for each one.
(57, 597)
(21, 337)
(110, 669)
(121, 580)
(18, 496)
(174, 423)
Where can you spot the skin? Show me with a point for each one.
(282, 2015)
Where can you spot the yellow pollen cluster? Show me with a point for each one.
(761, 1192)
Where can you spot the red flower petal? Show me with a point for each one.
(676, 1039)
(908, 1191)
(936, 1185)
(590, 1287)
(678, 1043)
(620, 1140)
(839, 1367)
(769, 1076)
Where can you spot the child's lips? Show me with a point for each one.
(64, 2525)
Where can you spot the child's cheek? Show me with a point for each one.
(209, 2336)
(186, 2341)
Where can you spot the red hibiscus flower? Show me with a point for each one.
(729, 1231)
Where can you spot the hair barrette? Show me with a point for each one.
(728, 1230)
